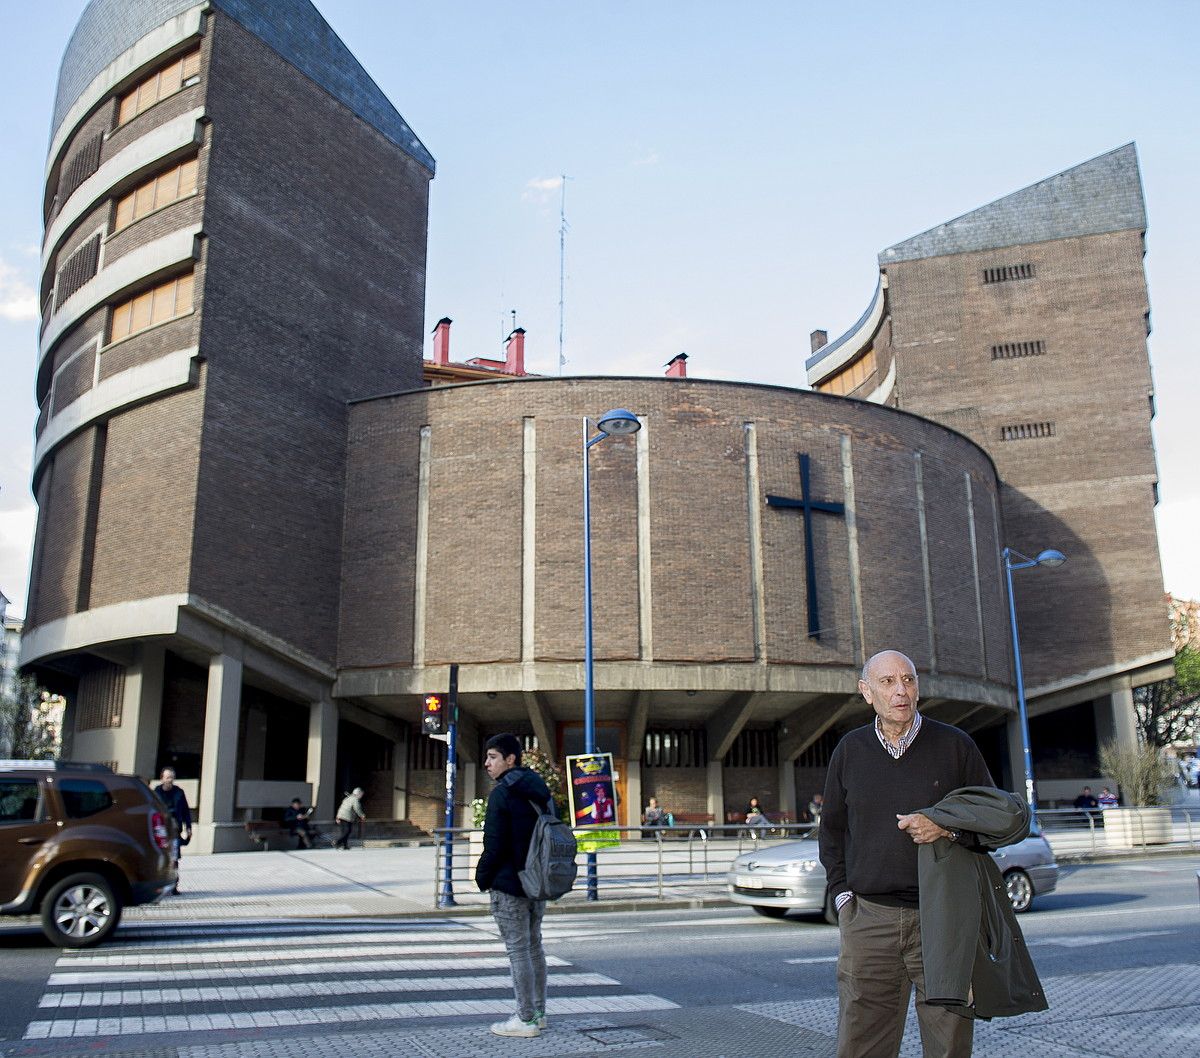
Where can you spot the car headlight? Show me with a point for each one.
(797, 867)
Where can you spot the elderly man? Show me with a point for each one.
(177, 804)
(878, 775)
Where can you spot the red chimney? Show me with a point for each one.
(514, 352)
(441, 341)
(677, 368)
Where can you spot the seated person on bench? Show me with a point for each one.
(296, 820)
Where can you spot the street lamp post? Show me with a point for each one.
(615, 423)
(1049, 559)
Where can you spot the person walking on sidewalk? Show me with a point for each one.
(878, 775)
(177, 804)
(507, 831)
(348, 812)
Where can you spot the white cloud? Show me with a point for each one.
(18, 299)
(1177, 521)
(16, 546)
(649, 159)
(542, 189)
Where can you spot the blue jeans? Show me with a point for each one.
(520, 923)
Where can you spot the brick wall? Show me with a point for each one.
(677, 789)
(699, 527)
(144, 531)
(313, 295)
(1088, 489)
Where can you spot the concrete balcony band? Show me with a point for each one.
(145, 51)
(158, 144)
(135, 267)
(122, 390)
(837, 354)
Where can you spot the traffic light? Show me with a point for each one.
(433, 719)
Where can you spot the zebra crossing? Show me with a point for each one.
(182, 982)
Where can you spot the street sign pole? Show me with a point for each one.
(446, 896)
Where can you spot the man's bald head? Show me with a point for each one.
(883, 655)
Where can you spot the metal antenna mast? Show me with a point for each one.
(562, 267)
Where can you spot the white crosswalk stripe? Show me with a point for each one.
(153, 981)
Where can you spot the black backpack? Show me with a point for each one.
(550, 866)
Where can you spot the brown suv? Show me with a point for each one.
(78, 843)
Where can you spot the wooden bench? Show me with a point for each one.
(693, 819)
(261, 831)
(686, 822)
(736, 818)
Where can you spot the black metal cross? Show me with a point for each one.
(806, 505)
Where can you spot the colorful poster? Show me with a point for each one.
(591, 791)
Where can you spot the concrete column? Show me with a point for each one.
(787, 789)
(253, 765)
(141, 711)
(468, 779)
(856, 591)
(218, 764)
(528, 537)
(754, 522)
(926, 576)
(645, 580)
(1015, 779)
(633, 793)
(1121, 719)
(321, 767)
(400, 800)
(716, 791)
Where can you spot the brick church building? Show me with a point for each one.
(251, 565)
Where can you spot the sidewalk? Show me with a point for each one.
(387, 882)
(394, 882)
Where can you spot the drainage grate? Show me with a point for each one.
(627, 1034)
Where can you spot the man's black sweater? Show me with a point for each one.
(862, 848)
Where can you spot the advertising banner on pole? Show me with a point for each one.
(592, 796)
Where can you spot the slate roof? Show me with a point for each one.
(292, 28)
(1098, 196)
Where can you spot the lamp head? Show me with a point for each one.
(1051, 558)
(618, 423)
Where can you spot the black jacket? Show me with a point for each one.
(974, 956)
(508, 828)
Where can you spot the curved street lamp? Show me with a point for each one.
(1014, 560)
(616, 423)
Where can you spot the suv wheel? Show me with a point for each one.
(80, 911)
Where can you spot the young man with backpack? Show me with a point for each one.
(513, 811)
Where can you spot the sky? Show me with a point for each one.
(733, 172)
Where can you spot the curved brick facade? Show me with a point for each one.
(699, 572)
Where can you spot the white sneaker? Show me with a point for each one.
(539, 1019)
(514, 1026)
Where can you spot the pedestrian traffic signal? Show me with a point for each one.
(433, 720)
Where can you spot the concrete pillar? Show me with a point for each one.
(633, 793)
(787, 790)
(468, 780)
(253, 766)
(141, 711)
(716, 792)
(321, 767)
(218, 763)
(400, 801)
(1116, 720)
(1015, 779)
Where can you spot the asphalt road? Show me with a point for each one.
(1118, 947)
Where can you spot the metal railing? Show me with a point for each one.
(651, 863)
(664, 863)
(1099, 831)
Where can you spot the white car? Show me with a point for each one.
(776, 879)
